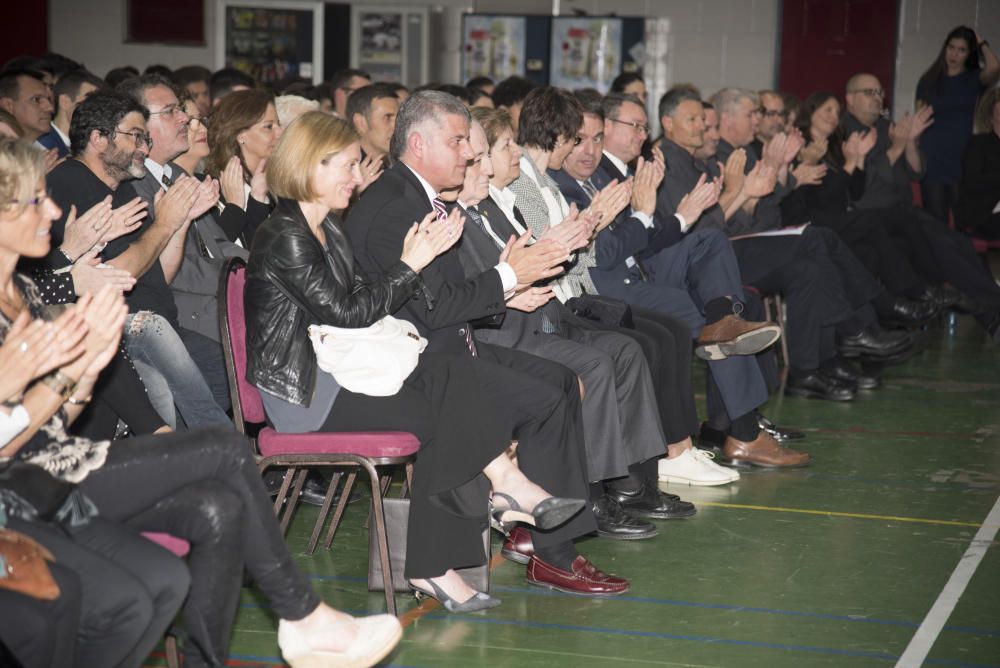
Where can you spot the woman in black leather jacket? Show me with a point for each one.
(301, 272)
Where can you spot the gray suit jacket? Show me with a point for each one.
(206, 250)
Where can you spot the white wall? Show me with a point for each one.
(711, 43)
(923, 26)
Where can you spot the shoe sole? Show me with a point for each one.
(695, 483)
(621, 536)
(546, 585)
(745, 464)
(812, 394)
(516, 557)
(748, 343)
(660, 516)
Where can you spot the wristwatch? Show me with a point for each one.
(61, 384)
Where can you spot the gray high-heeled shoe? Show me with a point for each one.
(548, 514)
(478, 601)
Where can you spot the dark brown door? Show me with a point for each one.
(825, 42)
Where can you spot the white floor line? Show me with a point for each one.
(922, 641)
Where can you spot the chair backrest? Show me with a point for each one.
(247, 405)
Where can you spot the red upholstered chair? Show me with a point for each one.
(181, 548)
(299, 452)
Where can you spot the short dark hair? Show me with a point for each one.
(548, 114)
(189, 74)
(222, 82)
(361, 100)
(396, 87)
(162, 70)
(591, 101)
(623, 80)
(59, 65)
(512, 90)
(136, 87)
(71, 82)
(341, 77)
(102, 111)
(673, 98)
(120, 74)
(422, 106)
(9, 86)
(477, 83)
(613, 103)
(461, 92)
(25, 63)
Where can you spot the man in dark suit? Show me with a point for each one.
(737, 386)
(621, 428)
(430, 150)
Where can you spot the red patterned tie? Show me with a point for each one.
(438, 205)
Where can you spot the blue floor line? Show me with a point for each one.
(531, 591)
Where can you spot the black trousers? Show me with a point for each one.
(130, 589)
(798, 268)
(939, 199)
(877, 250)
(465, 411)
(41, 634)
(119, 394)
(203, 486)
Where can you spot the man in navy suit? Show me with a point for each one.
(71, 89)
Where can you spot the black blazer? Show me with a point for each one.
(666, 228)
(377, 225)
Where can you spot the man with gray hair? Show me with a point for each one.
(805, 268)
(431, 151)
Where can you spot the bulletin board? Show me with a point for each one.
(271, 41)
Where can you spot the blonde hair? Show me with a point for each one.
(22, 166)
(313, 137)
(290, 107)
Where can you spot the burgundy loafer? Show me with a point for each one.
(517, 546)
(584, 578)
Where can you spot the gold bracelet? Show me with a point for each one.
(79, 402)
(61, 384)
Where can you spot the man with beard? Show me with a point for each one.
(108, 144)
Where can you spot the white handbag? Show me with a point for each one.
(372, 360)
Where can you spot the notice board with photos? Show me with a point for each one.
(271, 41)
(391, 43)
(503, 45)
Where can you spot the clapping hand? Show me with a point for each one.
(90, 275)
(125, 219)
(431, 237)
(33, 348)
(574, 232)
(83, 233)
(531, 299)
(231, 183)
(541, 260)
(704, 195)
(809, 175)
(813, 152)
(371, 168)
(761, 180)
(52, 159)
(734, 174)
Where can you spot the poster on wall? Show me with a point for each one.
(585, 52)
(273, 42)
(493, 46)
(390, 42)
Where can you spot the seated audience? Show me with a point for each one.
(194, 80)
(509, 95)
(372, 111)
(228, 80)
(630, 83)
(342, 84)
(70, 90)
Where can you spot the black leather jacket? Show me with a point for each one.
(293, 282)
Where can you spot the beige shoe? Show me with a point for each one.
(376, 637)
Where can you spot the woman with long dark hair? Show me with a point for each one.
(963, 69)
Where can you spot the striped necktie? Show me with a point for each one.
(470, 343)
(439, 208)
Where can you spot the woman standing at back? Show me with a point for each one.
(964, 68)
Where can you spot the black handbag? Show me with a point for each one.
(605, 310)
(397, 515)
(31, 493)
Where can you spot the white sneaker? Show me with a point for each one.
(691, 468)
(707, 458)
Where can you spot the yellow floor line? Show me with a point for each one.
(832, 513)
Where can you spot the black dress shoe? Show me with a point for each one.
(908, 313)
(875, 343)
(778, 432)
(815, 385)
(711, 439)
(840, 369)
(941, 296)
(613, 522)
(650, 503)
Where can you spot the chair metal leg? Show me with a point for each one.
(338, 514)
(323, 512)
(407, 481)
(779, 305)
(286, 482)
(293, 501)
(381, 538)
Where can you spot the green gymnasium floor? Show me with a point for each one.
(834, 565)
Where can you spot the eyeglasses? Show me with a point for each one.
(37, 201)
(870, 92)
(635, 125)
(169, 110)
(771, 113)
(139, 138)
(200, 119)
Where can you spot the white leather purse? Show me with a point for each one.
(373, 360)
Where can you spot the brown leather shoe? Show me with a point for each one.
(518, 546)
(735, 336)
(764, 452)
(583, 578)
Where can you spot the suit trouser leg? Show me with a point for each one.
(703, 264)
(860, 285)
(962, 266)
(798, 269)
(901, 225)
(543, 399)
(41, 634)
